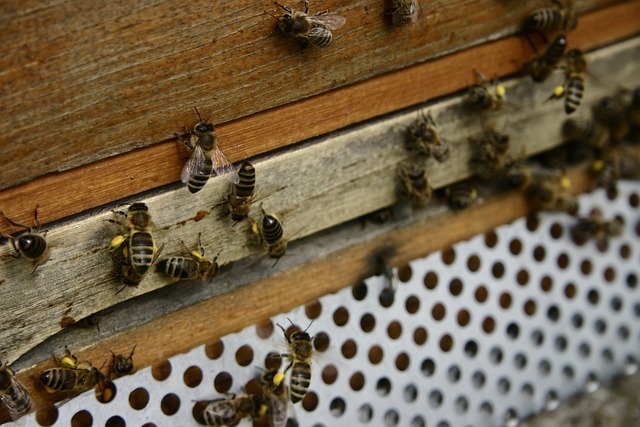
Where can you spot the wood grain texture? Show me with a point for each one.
(84, 81)
(207, 321)
(76, 190)
(313, 187)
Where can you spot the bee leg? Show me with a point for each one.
(155, 257)
(285, 334)
(13, 244)
(287, 9)
(16, 224)
(306, 6)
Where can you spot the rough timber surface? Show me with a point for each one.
(117, 177)
(81, 81)
(314, 187)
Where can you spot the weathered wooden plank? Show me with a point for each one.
(140, 170)
(84, 81)
(315, 186)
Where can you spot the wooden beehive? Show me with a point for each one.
(94, 93)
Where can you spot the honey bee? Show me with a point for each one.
(461, 195)
(424, 136)
(491, 153)
(32, 245)
(230, 411)
(542, 65)
(518, 175)
(585, 131)
(551, 193)
(633, 112)
(562, 18)
(14, 396)
(404, 12)
(270, 234)
(206, 157)
(122, 365)
(241, 196)
(415, 184)
(315, 29)
(70, 376)
(299, 355)
(573, 87)
(610, 112)
(136, 249)
(277, 397)
(487, 95)
(595, 227)
(197, 267)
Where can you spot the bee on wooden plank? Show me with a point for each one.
(572, 90)
(206, 157)
(270, 233)
(315, 29)
(122, 365)
(404, 12)
(195, 267)
(70, 375)
(586, 132)
(518, 174)
(242, 193)
(542, 65)
(13, 395)
(611, 113)
(550, 192)
(488, 95)
(424, 136)
(136, 249)
(32, 245)
(461, 195)
(415, 184)
(560, 18)
(490, 153)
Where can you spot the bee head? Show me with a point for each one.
(285, 23)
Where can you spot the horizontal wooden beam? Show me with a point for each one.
(63, 194)
(314, 187)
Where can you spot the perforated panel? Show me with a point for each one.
(491, 330)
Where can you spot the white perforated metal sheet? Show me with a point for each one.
(497, 328)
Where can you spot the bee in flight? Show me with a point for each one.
(231, 410)
(70, 376)
(122, 365)
(32, 245)
(423, 135)
(561, 18)
(14, 396)
(574, 83)
(404, 12)
(206, 157)
(488, 95)
(299, 355)
(270, 234)
(315, 29)
(542, 65)
(276, 395)
(197, 267)
(136, 249)
(415, 184)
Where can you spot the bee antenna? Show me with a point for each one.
(133, 349)
(198, 113)
(272, 15)
(309, 325)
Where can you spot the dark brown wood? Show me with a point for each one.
(64, 194)
(83, 81)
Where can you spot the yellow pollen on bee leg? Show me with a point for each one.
(278, 378)
(565, 182)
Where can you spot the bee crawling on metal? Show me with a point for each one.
(31, 245)
(300, 354)
(315, 29)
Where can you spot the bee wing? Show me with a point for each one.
(222, 166)
(278, 411)
(12, 406)
(193, 165)
(333, 22)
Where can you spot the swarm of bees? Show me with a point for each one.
(313, 29)
(31, 245)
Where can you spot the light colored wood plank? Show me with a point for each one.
(67, 193)
(85, 81)
(314, 186)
